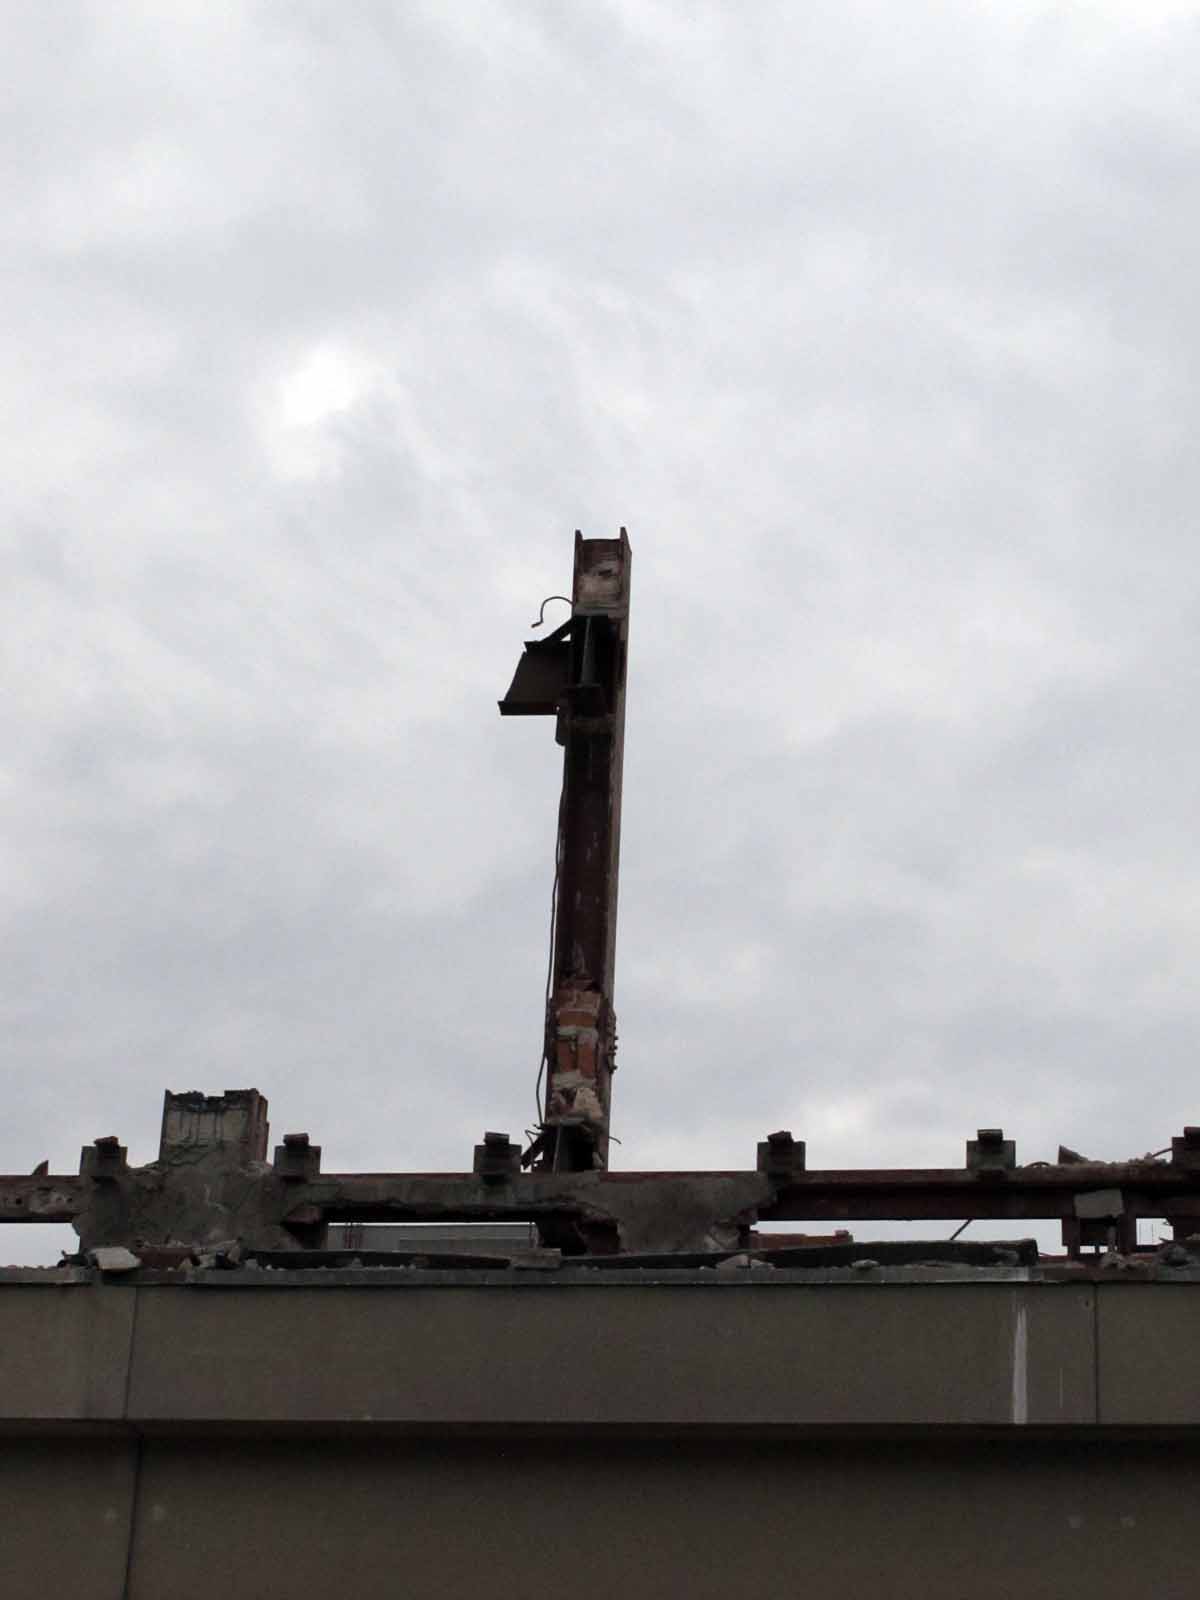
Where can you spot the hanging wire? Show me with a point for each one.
(558, 848)
(542, 613)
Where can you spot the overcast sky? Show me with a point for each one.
(324, 326)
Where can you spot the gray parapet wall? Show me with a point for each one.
(388, 1431)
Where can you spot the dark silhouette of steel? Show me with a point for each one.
(577, 675)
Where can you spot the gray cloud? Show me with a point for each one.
(324, 329)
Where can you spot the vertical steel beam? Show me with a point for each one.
(579, 673)
(581, 1022)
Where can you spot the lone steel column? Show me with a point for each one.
(578, 674)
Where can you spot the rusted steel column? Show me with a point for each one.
(578, 674)
(581, 1022)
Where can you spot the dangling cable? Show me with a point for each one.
(558, 843)
(545, 603)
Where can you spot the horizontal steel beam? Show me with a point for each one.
(597, 1211)
(1147, 1189)
(903, 1193)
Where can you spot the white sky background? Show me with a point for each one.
(323, 328)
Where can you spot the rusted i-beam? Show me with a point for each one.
(577, 675)
(221, 1197)
(212, 1186)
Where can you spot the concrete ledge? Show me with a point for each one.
(705, 1354)
(67, 1349)
(978, 1356)
(675, 1352)
(1148, 1372)
(643, 1522)
(245, 1517)
(68, 1516)
(685, 1434)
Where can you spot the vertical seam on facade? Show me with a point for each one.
(133, 1321)
(126, 1590)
